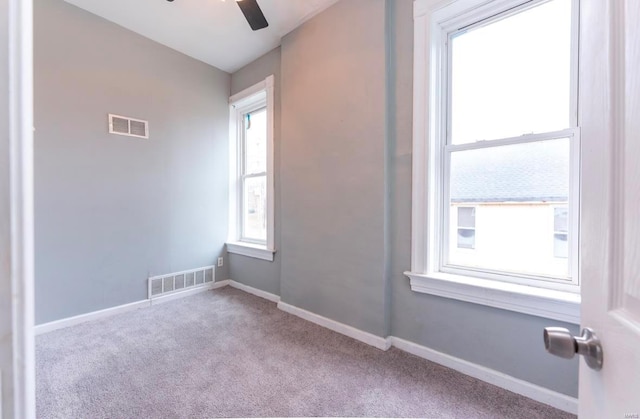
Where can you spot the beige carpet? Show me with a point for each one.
(226, 353)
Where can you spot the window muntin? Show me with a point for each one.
(508, 122)
(495, 72)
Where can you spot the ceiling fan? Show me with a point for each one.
(252, 13)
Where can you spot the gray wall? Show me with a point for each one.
(112, 210)
(259, 273)
(332, 177)
(345, 197)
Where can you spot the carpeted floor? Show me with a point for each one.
(226, 353)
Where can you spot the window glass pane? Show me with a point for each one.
(512, 76)
(560, 219)
(254, 219)
(256, 141)
(466, 217)
(560, 246)
(466, 238)
(513, 189)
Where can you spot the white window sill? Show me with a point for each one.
(251, 250)
(550, 304)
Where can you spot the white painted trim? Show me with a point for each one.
(21, 388)
(423, 124)
(239, 97)
(251, 250)
(352, 332)
(420, 8)
(259, 95)
(108, 312)
(550, 304)
(522, 139)
(507, 382)
(94, 315)
(255, 291)
(271, 194)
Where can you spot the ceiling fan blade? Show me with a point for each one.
(253, 14)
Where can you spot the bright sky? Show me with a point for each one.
(512, 77)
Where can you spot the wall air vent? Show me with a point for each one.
(180, 281)
(123, 125)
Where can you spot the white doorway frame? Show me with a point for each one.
(18, 378)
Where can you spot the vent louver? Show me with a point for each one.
(180, 281)
(123, 125)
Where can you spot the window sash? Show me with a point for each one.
(459, 26)
(443, 193)
(473, 21)
(242, 171)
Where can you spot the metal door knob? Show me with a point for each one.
(560, 342)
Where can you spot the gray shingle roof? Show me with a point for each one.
(536, 171)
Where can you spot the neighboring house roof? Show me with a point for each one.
(537, 171)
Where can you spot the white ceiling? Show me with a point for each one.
(213, 31)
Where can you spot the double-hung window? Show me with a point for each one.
(251, 172)
(496, 154)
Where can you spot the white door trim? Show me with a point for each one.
(20, 390)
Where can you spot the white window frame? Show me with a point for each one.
(432, 27)
(258, 96)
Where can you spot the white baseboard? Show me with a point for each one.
(94, 315)
(507, 382)
(366, 337)
(107, 312)
(352, 332)
(254, 291)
